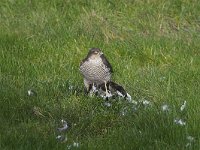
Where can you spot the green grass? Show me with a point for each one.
(153, 46)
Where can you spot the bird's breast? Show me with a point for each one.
(95, 71)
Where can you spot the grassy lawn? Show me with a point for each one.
(153, 46)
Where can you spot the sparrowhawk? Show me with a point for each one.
(96, 69)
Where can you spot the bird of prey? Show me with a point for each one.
(96, 69)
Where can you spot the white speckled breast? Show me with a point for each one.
(95, 71)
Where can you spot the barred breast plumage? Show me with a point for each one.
(95, 71)
(95, 68)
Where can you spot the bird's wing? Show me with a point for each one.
(106, 62)
(81, 63)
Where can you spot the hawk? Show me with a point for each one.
(96, 69)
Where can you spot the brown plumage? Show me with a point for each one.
(95, 69)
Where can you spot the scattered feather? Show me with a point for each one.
(183, 106)
(76, 144)
(165, 107)
(61, 138)
(124, 111)
(71, 87)
(107, 104)
(134, 102)
(140, 131)
(31, 92)
(190, 138)
(145, 102)
(128, 97)
(135, 108)
(179, 122)
(64, 126)
(162, 78)
(58, 137)
(69, 146)
(188, 144)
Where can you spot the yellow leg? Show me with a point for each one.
(106, 88)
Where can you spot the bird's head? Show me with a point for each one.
(94, 53)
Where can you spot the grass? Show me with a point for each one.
(153, 47)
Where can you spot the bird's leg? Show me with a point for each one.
(107, 94)
(93, 88)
